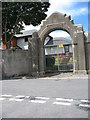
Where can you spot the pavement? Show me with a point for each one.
(56, 96)
(66, 75)
(69, 75)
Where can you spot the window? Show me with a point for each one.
(66, 50)
(26, 39)
(52, 50)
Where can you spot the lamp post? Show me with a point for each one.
(59, 46)
(58, 56)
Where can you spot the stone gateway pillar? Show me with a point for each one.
(34, 55)
(87, 51)
(41, 57)
(81, 53)
(75, 53)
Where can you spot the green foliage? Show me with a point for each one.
(56, 61)
(71, 60)
(14, 14)
(70, 75)
(13, 49)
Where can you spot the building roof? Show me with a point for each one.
(25, 33)
(48, 40)
(60, 40)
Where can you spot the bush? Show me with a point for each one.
(13, 49)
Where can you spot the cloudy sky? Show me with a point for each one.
(77, 10)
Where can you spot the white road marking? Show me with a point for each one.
(43, 98)
(6, 95)
(37, 101)
(18, 100)
(62, 103)
(48, 78)
(63, 99)
(83, 105)
(27, 97)
(20, 96)
(11, 99)
(2, 99)
(86, 101)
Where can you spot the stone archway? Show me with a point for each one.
(59, 21)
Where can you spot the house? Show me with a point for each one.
(20, 40)
(58, 45)
(58, 54)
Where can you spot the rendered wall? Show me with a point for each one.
(15, 63)
(0, 64)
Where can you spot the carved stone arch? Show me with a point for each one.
(59, 21)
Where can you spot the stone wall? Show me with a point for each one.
(87, 51)
(15, 63)
(0, 64)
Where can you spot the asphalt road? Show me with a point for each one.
(45, 98)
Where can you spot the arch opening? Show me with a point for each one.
(56, 29)
(58, 51)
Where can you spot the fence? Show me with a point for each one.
(59, 63)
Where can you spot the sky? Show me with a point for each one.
(77, 10)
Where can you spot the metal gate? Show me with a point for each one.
(62, 62)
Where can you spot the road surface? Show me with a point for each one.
(45, 98)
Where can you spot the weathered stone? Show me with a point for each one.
(15, 63)
(1, 60)
(88, 57)
(33, 51)
(75, 57)
(61, 22)
(79, 28)
(81, 52)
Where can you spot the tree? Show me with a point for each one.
(14, 14)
